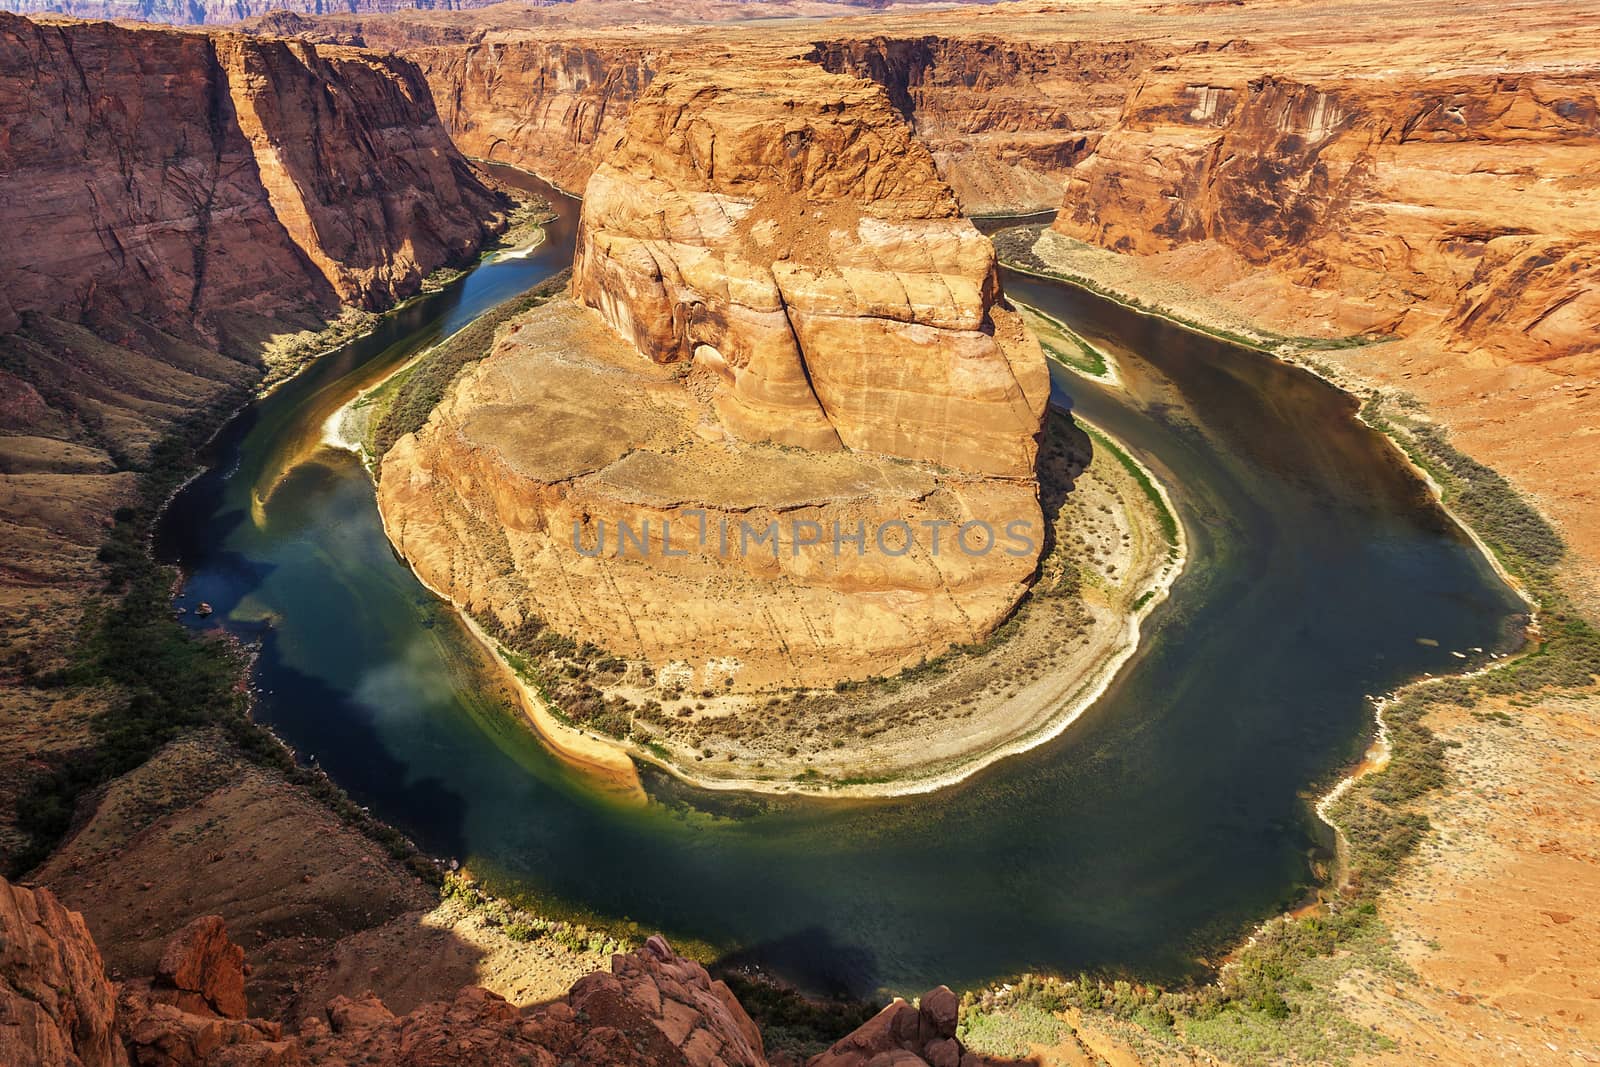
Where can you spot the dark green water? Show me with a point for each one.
(1169, 818)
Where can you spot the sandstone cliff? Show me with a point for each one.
(1408, 200)
(782, 323)
(1402, 193)
(546, 106)
(798, 247)
(1004, 118)
(204, 179)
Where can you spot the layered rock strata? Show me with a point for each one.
(205, 179)
(551, 107)
(745, 451)
(1408, 203)
(1004, 118)
(1408, 197)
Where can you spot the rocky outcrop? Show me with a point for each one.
(904, 1036)
(56, 1004)
(1005, 117)
(220, 181)
(781, 232)
(787, 369)
(551, 107)
(57, 1007)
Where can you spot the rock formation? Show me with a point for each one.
(655, 1009)
(1405, 202)
(56, 1004)
(1399, 191)
(799, 249)
(784, 336)
(547, 106)
(1005, 117)
(903, 1036)
(218, 179)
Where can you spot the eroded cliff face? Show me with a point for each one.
(551, 107)
(197, 179)
(1410, 197)
(1005, 117)
(780, 322)
(172, 202)
(800, 251)
(1449, 204)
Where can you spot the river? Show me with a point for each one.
(1166, 821)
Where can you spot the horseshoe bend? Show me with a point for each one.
(780, 439)
(589, 532)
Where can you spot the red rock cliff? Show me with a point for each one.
(202, 179)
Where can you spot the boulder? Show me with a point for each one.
(204, 969)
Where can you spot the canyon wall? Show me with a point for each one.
(1005, 119)
(198, 180)
(174, 204)
(551, 107)
(1452, 204)
(1413, 198)
(779, 322)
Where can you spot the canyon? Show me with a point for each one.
(185, 212)
(1401, 200)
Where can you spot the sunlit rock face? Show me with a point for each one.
(208, 180)
(779, 322)
(781, 229)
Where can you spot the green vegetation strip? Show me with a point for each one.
(1169, 521)
(1077, 353)
(167, 682)
(402, 404)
